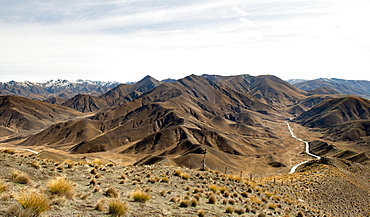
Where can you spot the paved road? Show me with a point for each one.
(307, 148)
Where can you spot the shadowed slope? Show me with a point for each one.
(20, 113)
(336, 111)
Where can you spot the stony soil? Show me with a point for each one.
(323, 188)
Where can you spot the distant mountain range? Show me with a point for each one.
(55, 88)
(353, 87)
(175, 122)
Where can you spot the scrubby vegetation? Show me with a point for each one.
(160, 190)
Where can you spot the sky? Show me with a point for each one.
(125, 40)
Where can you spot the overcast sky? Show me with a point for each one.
(125, 40)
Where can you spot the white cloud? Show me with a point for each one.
(126, 40)
(248, 22)
(240, 11)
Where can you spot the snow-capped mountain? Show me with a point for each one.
(55, 88)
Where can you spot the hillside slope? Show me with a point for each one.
(19, 114)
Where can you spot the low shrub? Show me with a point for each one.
(117, 207)
(201, 213)
(61, 186)
(33, 200)
(229, 209)
(111, 192)
(20, 177)
(212, 199)
(140, 196)
(3, 186)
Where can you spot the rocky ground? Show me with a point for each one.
(326, 187)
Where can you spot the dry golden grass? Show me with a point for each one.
(20, 177)
(201, 213)
(140, 196)
(100, 205)
(185, 203)
(117, 207)
(111, 192)
(185, 176)
(3, 186)
(33, 200)
(61, 186)
(212, 199)
(213, 188)
(229, 209)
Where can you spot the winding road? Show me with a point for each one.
(307, 149)
(24, 149)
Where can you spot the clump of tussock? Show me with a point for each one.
(229, 209)
(185, 203)
(20, 177)
(70, 164)
(35, 165)
(61, 186)
(100, 205)
(32, 201)
(111, 192)
(201, 213)
(213, 188)
(3, 186)
(117, 207)
(212, 199)
(140, 196)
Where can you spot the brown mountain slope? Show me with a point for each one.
(22, 114)
(268, 88)
(323, 91)
(55, 100)
(119, 95)
(176, 121)
(273, 90)
(126, 93)
(336, 111)
(86, 103)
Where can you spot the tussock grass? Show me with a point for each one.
(100, 205)
(111, 192)
(213, 188)
(33, 200)
(3, 186)
(229, 209)
(140, 196)
(185, 176)
(61, 186)
(201, 213)
(117, 207)
(185, 203)
(20, 177)
(8, 151)
(235, 178)
(212, 199)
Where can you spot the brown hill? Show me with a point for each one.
(352, 87)
(126, 93)
(336, 111)
(117, 96)
(352, 131)
(323, 90)
(22, 114)
(86, 103)
(268, 88)
(55, 100)
(177, 121)
(307, 103)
